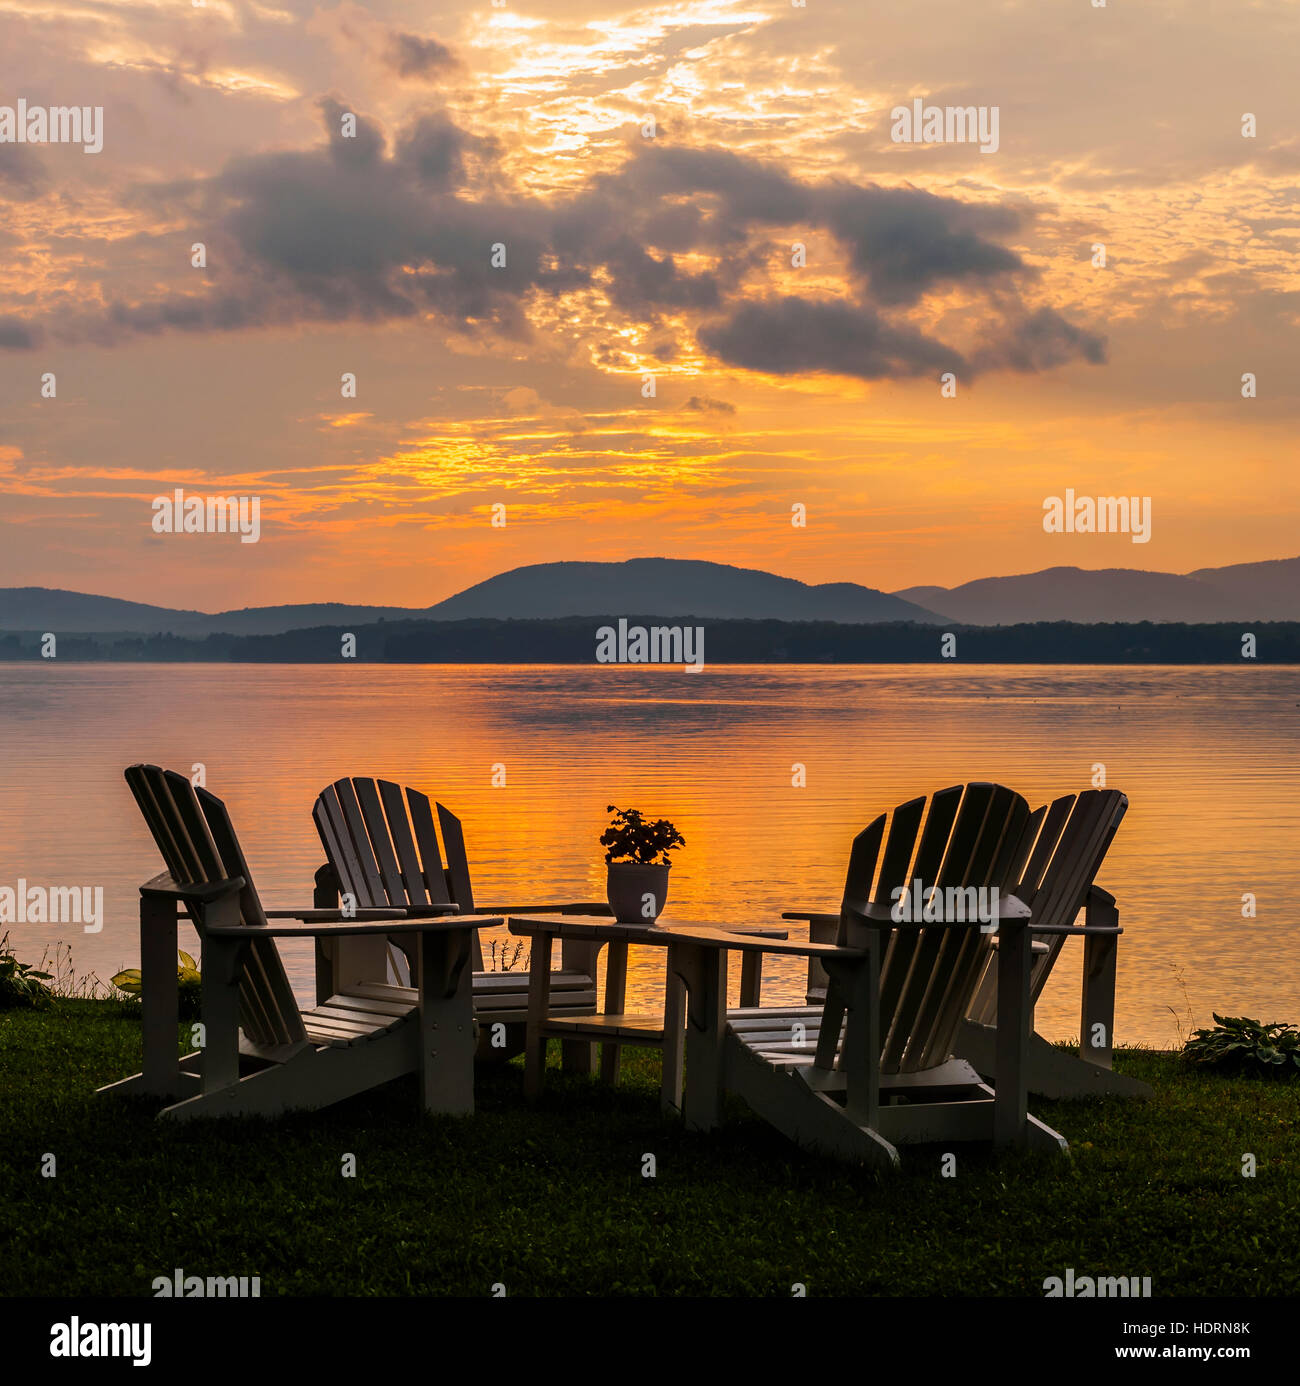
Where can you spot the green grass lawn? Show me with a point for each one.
(552, 1200)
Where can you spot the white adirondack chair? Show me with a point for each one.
(872, 1067)
(260, 1054)
(1053, 869)
(382, 850)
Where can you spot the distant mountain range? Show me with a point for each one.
(639, 586)
(1267, 591)
(672, 587)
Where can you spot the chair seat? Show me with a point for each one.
(642, 1028)
(508, 991)
(770, 1031)
(499, 994)
(353, 1017)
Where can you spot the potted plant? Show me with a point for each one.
(637, 853)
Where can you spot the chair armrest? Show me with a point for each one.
(811, 916)
(321, 916)
(598, 907)
(801, 949)
(384, 912)
(1034, 945)
(1112, 929)
(200, 893)
(333, 922)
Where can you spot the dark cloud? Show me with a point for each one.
(355, 140)
(18, 335)
(751, 192)
(434, 149)
(905, 242)
(901, 242)
(369, 228)
(799, 336)
(642, 282)
(411, 55)
(1038, 341)
(23, 175)
(702, 404)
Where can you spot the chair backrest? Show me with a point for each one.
(384, 849)
(197, 841)
(1060, 853)
(963, 838)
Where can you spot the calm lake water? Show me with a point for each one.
(1209, 758)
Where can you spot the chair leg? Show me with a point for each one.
(611, 1054)
(751, 979)
(444, 977)
(670, 1089)
(1097, 1019)
(222, 963)
(539, 1004)
(158, 996)
(1015, 1022)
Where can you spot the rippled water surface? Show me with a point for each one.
(1209, 758)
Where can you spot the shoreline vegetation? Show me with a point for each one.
(552, 1199)
(574, 640)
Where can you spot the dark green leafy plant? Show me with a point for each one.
(189, 986)
(631, 838)
(1236, 1044)
(21, 985)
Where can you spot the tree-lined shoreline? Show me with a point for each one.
(575, 640)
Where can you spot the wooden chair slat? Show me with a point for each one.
(400, 830)
(372, 812)
(191, 870)
(141, 787)
(435, 879)
(327, 814)
(197, 834)
(371, 892)
(453, 843)
(1058, 814)
(1015, 871)
(900, 849)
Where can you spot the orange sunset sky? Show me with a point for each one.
(775, 383)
